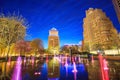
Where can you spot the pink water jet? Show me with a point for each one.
(66, 66)
(72, 59)
(75, 58)
(92, 59)
(17, 70)
(24, 59)
(79, 59)
(37, 73)
(74, 70)
(74, 67)
(103, 68)
(33, 60)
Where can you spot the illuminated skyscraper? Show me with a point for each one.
(117, 8)
(53, 41)
(99, 32)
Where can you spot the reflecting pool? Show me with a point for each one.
(56, 68)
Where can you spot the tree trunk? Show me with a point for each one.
(6, 59)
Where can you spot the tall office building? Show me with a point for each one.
(99, 32)
(117, 8)
(53, 41)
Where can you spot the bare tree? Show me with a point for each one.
(65, 49)
(37, 46)
(22, 47)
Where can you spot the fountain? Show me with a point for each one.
(79, 59)
(72, 59)
(92, 59)
(17, 70)
(66, 66)
(103, 68)
(37, 73)
(24, 61)
(74, 70)
(33, 60)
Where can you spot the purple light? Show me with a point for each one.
(33, 61)
(17, 70)
(79, 60)
(66, 64)
(74, 68)
(24, 59)
(74, 71)
(37, 73)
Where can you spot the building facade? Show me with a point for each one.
(53, 41)
(99, 32)
(116, 4)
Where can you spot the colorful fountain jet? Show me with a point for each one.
(92, 59)
(103, 68)
(24, 61)
(66, 66)
(17, 70)
(74, 70)
(79, 59)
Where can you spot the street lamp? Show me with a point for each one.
(70, 50)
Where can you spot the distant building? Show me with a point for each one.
(53, 41)
(99, 32)
(117, 8)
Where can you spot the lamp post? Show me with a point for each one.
(70, 51)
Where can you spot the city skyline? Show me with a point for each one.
(66, 16)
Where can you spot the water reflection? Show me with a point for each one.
(53, 69)
(17, 70)
(58, 68)
(6, 70)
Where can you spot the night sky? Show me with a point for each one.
(65, 15)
